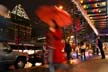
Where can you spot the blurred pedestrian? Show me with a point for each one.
(100, 46)
(77, 50)
(97, 47)
(68, 50)
(55, 44)
(83, 49)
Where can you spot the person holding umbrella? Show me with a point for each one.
(56, 19)
(56, 45)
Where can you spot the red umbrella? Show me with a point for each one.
(50, 13)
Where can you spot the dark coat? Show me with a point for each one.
(67, 47)
(100, 43)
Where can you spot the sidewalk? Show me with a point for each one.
(93, 64)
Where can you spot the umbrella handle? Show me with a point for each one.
(53, 26)
(52, 29)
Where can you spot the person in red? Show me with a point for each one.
(55, 44)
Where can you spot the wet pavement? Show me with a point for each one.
(94, 64)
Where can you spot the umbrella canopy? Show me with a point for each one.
(48, 14)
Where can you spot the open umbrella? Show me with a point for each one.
(48, 14)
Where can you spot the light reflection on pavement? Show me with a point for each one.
(95, 64)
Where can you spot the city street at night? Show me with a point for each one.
(53, 35)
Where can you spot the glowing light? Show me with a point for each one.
(72, 36)
(91, 17)
(38, 64)
(41, 38)
(25, 51)
(81, 1)
(20, 51)
(95, 5)
(84, 6)
(28, 65)
(99, 11)
(30, 51)
(60, 7)
(104, 3)
(20, 11)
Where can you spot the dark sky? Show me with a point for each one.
(30, 3)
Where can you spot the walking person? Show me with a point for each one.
(68, 51)
(96, 48)
(55, 44)
(100, 46)
(83, 49)
(77, 50)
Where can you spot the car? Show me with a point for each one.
(36, 58)
(9, 57)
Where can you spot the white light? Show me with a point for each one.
(99, 10)
(30, 51)
(20, 51)
(60, 7)
(38, 64)
(25, 51)
(41, 38)
(72, 37)
(91, 17)
(19, 10)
